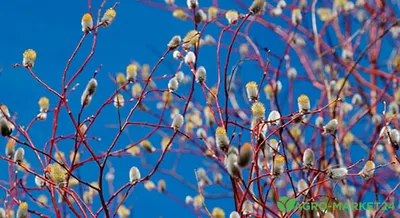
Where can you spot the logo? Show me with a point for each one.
(286, 205)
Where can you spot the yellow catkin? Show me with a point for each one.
(192, 37)
(212, 12)
(30, 54)
(220, 131)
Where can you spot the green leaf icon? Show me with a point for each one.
(281, 206)
(290, 204)
(283, 199)
(285, 204)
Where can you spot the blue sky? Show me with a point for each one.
(139, 33)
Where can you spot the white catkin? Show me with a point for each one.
(337, 173)
(331, 126)
(201, 133)
(40, 182)
(180, 76)
(177, 122)
(234, 214)
(19, 155)
(201, 74)
(308, 158)
(173, 84)
(275, 117)
(134, 174)
(301, 186)
(190, 58)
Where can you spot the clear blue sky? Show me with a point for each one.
(139, 33)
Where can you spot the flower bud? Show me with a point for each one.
(177, 122)
(303, 103)
(245, 155)
(276, 12)
(176, 55)
(87, 23)
(19, 155)
(308, 158)
(270, 89)
(376, 119)
(252, 91)
(221, 139)
(192, 4)
(296, 16)
(348, 190)
(201, 133)
(2, 213)
(4, 112)
(202, 174)
(232, 165)
(180, 76)
(234, 214)
(123, 212)
(120, 79)
(6, 127)
(149, 185)
(232, 16)
(191, 39)
(319, 121)
(331, 127)
(119, 101)
(200, 16)
(174, 42)
(161, 185)
(88, 197)
(257, 6)
(394, 137)
(201, 74)
(22, 211)
(180, 14)
(108, 17)
(188, 199)
(281, 4)
(218, 212)
(274, 118)
(134, 174)
(173, 84)
(57, 173)
(292, 73)
(210, 40)
(29, 58)
(146, 144)
(368, 170)
(40, 182)
(212, 12)
(273, 145)
(302, 186)
(217, 176)
(190, 58)
(348, 139)
(324, 14)
(247, 207)
(10, 148)
(347, 55)
(44, 104)
(198, 201)
(131, 72)
(258, 111)
(279, 164)
(337, 173)
(91, 86)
